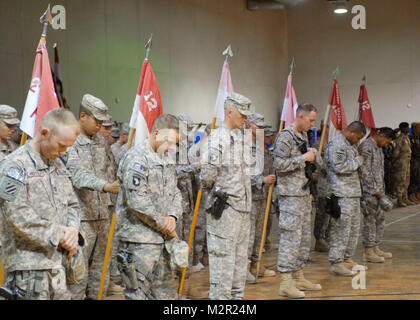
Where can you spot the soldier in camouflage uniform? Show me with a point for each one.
(106, 130)
(223, 167)
(89, 164)
(373, 188)
(414, 188)
(40, 210)
(343, 166)
(294, 202)
(8, 121)
(260, 184)
(401, 157)
(322, 219)
(148, 208)
(119, 148)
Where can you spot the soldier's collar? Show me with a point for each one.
(84, 140)
(36, 158)
(155, 158)
(4, 146)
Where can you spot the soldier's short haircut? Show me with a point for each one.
(305, 108)
(386, 132)
(404, 125)
(357, 127)
(166, 121)
(57, 118)
(85, 110)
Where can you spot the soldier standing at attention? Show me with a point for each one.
(343, 166)
(373, 188)
(224, 172)
(401, 156)
(40, 210)
(8, 121)
(89, 166)
(148, 208)
(291, 156)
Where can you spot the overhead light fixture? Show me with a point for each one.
(340, 9)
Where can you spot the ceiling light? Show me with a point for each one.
(340, 8)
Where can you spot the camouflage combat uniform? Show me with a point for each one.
(36, 198)
(415, 162)
(148, 192)
(89, 165)
(322, 218)
(343, 170)
(294, 201)
(401, 157)
(373, 215)
(227, 237)
(118, 151)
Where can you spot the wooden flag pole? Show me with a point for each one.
(112, 226)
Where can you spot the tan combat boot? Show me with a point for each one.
(407, 201)
(339, 269)
(321, 245)
(263, 271)
(412, 197)
(401, 203)
(370, 256)
(114, 289)
(287, 287)
(303, 284)
(349, 263)
(379, 252)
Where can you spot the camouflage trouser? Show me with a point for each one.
(152, 264)
(415, 176)
(344, 231)
(401, 178)
(200, 235)
(322, 219)
(373, 225)
(96, 238)
(227, 243)
(294, 233)
(40, 284)
(183, 227)
(257, 225)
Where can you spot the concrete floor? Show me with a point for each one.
(397, 278)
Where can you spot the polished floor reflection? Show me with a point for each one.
(397, 278)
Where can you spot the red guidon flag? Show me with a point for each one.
(148, 104)
(41, 95)
(365, 114)
(290, 104)
(338, 120)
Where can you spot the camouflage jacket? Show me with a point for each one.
(401, 151)
(7, 148)
(289, 163)
(148, 192)
(415, 146)
(322, 184)
(118, 151)
(90, 166)
(259, 189)
(224, 165)
(374, 164)
(36, 198)
(343, 166)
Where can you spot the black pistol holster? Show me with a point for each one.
(332, 207)
(127, 269)
(220, 203)
(309, 169)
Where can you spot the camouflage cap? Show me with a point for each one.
(125, 128)
(115, 132)
(258, 120)
(108, 122)
(8, 114)
(240, 102)
(96, 106)
(268, 132)
(178, 251)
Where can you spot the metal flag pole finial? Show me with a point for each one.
(228, 52)
(292, 65)
(364, 79)
(336, 72)
(45, 19)
(148, 46)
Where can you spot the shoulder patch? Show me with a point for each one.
(11, 182)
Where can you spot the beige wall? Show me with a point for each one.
(103, 47)
(387, 52)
